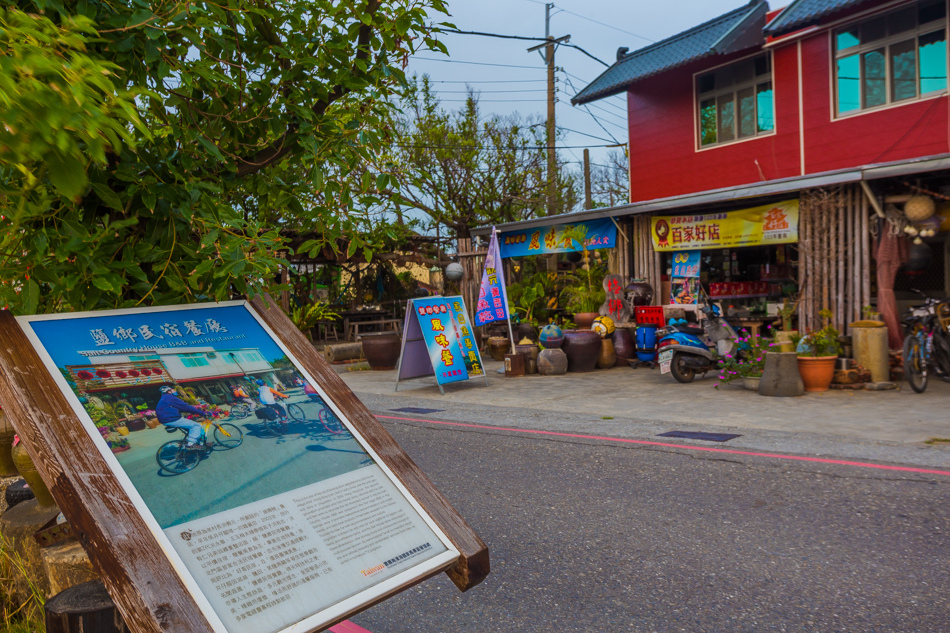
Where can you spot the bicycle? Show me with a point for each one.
(240, 410)
(174, 457)
(927, 345)
(272, 419)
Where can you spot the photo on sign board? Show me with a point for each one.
(254, 477)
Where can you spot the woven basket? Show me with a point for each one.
(919, 208)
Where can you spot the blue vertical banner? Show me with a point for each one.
(463, 331)
(492, 300)
(686, 263)
(437, 320)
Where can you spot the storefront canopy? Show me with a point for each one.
(543, 240)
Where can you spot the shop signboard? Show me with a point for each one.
(437, 340)
(768, 224)
(261, 526)
(542, 240)
(684, 284)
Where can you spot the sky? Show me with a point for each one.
(598, 26)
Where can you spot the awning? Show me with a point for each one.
(741, 192)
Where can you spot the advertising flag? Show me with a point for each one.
(492, 301)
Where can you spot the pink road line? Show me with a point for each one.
(708, 449)
(347, 627)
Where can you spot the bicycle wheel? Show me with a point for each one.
(173, 458)
(296, 412)
(330, 421)
(227, 436)
(915, 365)
(240, 411)
(276, 426)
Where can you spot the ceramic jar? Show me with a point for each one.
(582, 348)
(624, 346)
(584, 320)
(498, 346)
(639, 293)
(607, 357)
(530, 353)
(381, 350)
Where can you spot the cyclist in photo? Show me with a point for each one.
(171, 411)
(311, 393)
(269, 397)
(240, 395)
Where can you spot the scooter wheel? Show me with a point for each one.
(680, 371)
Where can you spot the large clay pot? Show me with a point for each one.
(551, 336)
(624, 346)
(381, 350)
(584, 320)
(498, 346)
(816, 372)
(530, 353)
(552, 362)
(607, 357)
(639, 293)
(7, 467)
(582, 348)
(137, 424)
(27, 469)
(527, 330)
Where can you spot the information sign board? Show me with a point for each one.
(263, 525)
(438, 340)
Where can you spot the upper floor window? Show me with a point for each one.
(194, 360)
(892, 57)
(735, 101)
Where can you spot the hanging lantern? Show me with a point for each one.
(918, 257)
(919, 208)
(454, 271)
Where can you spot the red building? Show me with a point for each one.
(838, 109)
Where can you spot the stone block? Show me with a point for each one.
(780, 377)
(880, 386)
(67, 565)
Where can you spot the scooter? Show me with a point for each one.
(685, 350)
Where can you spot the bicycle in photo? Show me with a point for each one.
(240, 410)
(175, 457)
(274, 420)
(927, 344)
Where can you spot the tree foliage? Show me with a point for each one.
(151, 152)
(465, 170)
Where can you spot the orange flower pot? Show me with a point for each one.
(816, 371)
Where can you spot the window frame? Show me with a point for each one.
(734, 90)
(194, 359)
(885, 43)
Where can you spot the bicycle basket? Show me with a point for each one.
(943, 315)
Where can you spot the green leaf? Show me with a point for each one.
(31, 297)
(68, 175)
(107, 195)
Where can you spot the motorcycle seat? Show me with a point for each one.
(688, 329)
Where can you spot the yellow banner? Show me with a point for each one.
(769, 224)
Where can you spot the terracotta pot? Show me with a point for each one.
(607, 357)
(27, 469)
(381, 350)
(552, 362)
(584, 320)
(639, 293)
(152, 423)
(582, 348)
(7, 467)
(498, 346)
(625, 346)
(816, 372)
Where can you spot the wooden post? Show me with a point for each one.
(85, 608)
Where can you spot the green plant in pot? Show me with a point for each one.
(307, 317)
(584, 292)
(529, 298)
(817, 352)
(783, 338)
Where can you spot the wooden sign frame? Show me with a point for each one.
(151, 593)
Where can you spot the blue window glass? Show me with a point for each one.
(765, 107)
(874, 82)
(933, 62)
(849, 84)
(903, 70)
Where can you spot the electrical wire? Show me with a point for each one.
(487, 81)
(566, 129)
(609, 26)
(457, 61)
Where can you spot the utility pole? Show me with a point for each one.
(587, 200)
(548, 57)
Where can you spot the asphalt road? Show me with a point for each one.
(589, 536)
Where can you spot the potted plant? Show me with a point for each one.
(530, 301)
(307, 317)
(783, 338)
(817, 352)
(584, 292)
(746, 364)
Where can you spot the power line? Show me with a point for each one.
(596, 120)
(609, 26)
(521, 37)
(491, 91)
(586, 134)
(504, 149)
(496, 100)
(622, 119)
(457, 61)
(489, 81)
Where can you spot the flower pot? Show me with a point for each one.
(136, 424)
(498, 346)
(582, 348)
(816, 371)
(584, 320)
(751, 382)
(122, 429)
(7, 467)
(27, 469)
(381, 350)
(152, 423)
(607, 357)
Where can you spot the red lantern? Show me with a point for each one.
(121, 374)
(133, 373)
(84, 375)
(102, 373)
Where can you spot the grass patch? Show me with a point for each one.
(18, 615)
(606, 417)
(937, 440)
